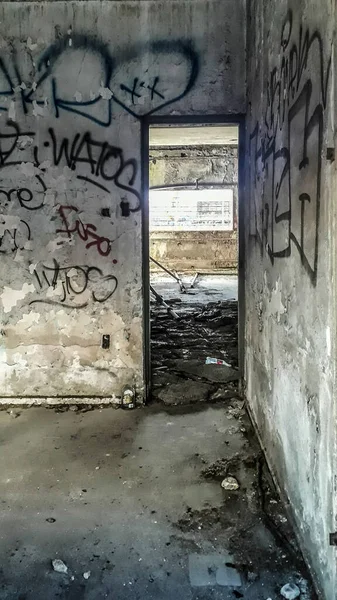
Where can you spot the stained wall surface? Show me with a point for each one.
(290, 263)
(76, 80)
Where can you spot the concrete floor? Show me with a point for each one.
(135, 498)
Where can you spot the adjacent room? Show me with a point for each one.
(193, 239)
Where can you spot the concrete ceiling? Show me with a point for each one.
(214, 135)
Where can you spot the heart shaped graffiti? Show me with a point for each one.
(141, 79)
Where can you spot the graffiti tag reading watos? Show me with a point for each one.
(73, 281)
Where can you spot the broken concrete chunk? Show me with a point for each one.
(252, 577)
(290, 591)
(230, 484)
(59, 566)
(185, 392)
(14, 412)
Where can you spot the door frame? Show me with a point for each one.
(146, 123)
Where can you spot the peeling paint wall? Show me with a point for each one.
(76, 80)
(208, 167)
(290, 248)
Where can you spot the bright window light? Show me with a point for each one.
(191, 210)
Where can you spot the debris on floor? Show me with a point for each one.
(153, 522)
(182, 351)
(59, 566)
(230, 483)
(212, 569)
(169, 501)
(215, 361)
(290, 591)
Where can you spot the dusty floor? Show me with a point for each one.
(135, 498)
(205, 326)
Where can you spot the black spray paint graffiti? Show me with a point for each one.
(24, 196)
(115, 91)
(15, 238)
(286, 150)
(74, 281)
(120, 81)
(101, 160)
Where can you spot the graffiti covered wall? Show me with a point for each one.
(290, 295)
(76, 79)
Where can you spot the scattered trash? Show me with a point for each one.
(304, 586)
(128, 398)
(14, 412)
(50, 520)
(73, 407)
(59, 566)
(87, 574)
(97, 468)
(230, 484)
(216, 361)
(290, 591)
(252, 577)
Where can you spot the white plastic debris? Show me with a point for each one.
(216, 361)
(128, 398)
(87, 574)
(59, 566)
(290, 591)
(230, 484)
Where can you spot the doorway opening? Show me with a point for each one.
(193, 266)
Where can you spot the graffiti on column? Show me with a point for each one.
(286, 149)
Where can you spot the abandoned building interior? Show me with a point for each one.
(168, 412)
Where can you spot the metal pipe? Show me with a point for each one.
(176, 277)
(161, 301)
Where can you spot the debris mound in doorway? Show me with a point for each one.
(180, 348)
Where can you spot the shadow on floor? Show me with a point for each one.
(136, 499)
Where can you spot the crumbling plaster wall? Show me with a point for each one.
(290, 248)
(76, 80)
(206, 167)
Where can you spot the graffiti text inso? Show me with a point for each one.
(286, 149)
